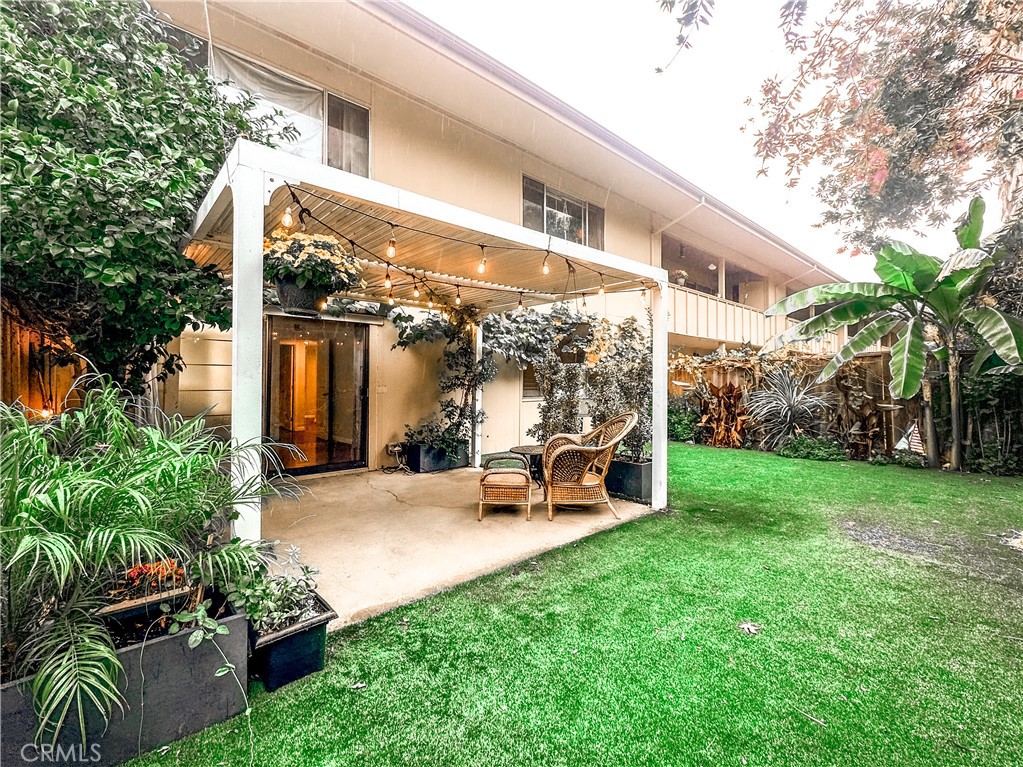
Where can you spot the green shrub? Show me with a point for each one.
(812, 448)
(683, 420)
(905, 458)
(88, 495)
(994, 461)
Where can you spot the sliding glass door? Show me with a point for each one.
(317, 388)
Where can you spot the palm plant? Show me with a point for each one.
(936, 306)
(786, 406)
(84, 497)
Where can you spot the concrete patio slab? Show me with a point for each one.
(381, 540)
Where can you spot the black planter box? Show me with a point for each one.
(422, 459)
(634, 481)
(182, 696)
(301, 302)
(292, 653)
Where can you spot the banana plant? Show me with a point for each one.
(936, 307)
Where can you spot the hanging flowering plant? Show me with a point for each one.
(310, 260)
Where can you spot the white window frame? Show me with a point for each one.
(548, 191)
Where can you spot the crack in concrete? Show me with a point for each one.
(389, 492)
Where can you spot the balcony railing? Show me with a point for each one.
(700, 315)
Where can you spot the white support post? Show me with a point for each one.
(659, 310)
(477, 431)
(247, 346)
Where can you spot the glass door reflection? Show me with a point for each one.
(317, 392)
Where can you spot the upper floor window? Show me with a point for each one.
(347, 136)
(301, 104)
(330, 129)
(552, 212)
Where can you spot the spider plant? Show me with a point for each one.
(786, 406)
(87, 495)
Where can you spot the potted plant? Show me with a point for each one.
(93, 500)
(287, 621)
(679, 276)
(620, 380)
(438, 443)
(306, 268)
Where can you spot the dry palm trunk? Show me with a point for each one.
(724, 416)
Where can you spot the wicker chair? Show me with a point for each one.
(506, 486)
(575, 465)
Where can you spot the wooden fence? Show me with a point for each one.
(28, 371)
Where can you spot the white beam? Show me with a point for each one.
(659, 310)
(247, 346)
(477, 432)
(280, 164)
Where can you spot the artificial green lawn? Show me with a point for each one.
(890, 613)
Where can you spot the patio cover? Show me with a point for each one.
(436, 242)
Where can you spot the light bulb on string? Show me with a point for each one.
(287, 220)
(584, 300)
(390, 297)
(392, 244)
(482, 266)
(429, 301)
(520, 301)
(601, 291)
(415, 288)
(458, 295)
(387, 279)
(546, 266)
(643, 294)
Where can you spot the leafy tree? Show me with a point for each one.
(937, 307)
(110, 141)
(912, 105)
(452, 429)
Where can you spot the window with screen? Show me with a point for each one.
(552, 212)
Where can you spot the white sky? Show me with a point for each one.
(599, 56)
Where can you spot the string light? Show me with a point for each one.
(392, 244)
(429, 301)
(643, 294)
(458, 295)
(288, 219)
(520, 302)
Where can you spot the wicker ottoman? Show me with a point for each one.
(506, 486)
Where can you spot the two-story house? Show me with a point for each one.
(380, 92)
